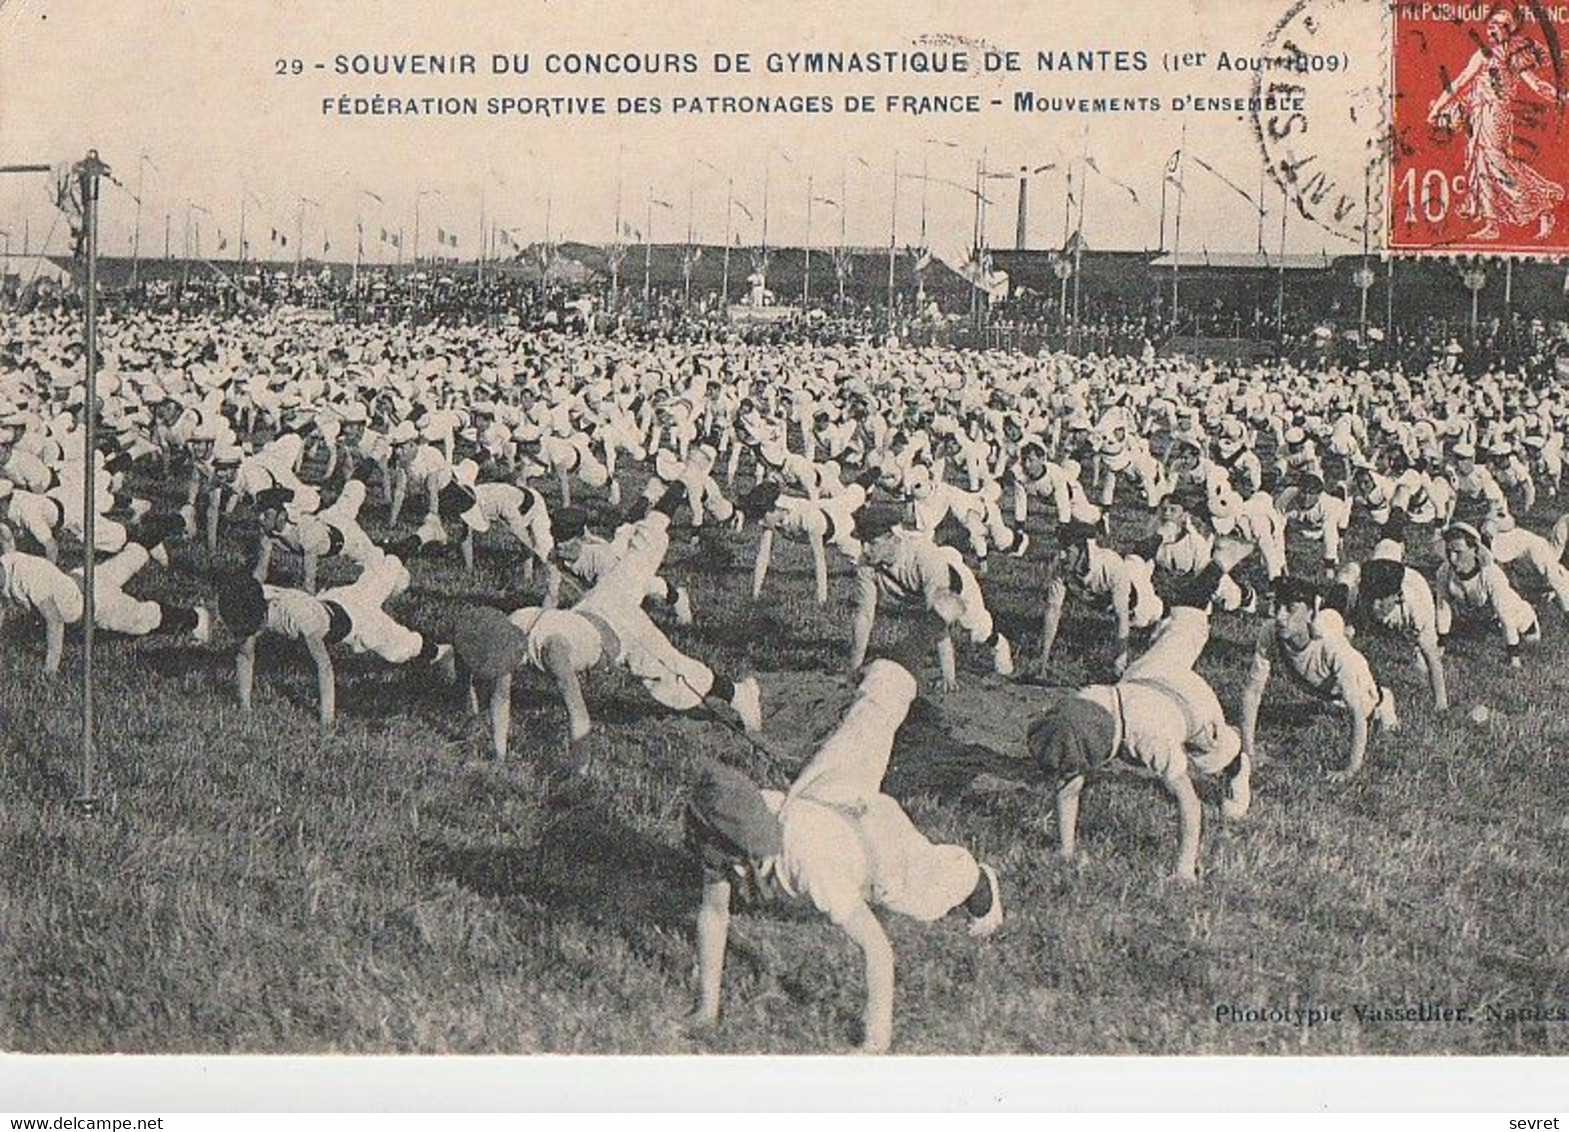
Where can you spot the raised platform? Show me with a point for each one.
(745, 313)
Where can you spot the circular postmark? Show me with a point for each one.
(1320, 115)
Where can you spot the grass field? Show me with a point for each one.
(251, 885)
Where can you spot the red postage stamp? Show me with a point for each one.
(1480, 124)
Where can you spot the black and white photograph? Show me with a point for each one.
(920, 529)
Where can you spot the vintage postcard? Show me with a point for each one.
(927, 528)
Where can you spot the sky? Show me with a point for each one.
(182, 100)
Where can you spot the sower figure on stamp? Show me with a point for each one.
(1503, 188)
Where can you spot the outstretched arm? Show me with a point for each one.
(263, 560)
(1458, 88)
(765, 547)
(500, 715)
(1190, 821)
(558, 658)
(814, 539)
(865, 614)
(54, 638)
(868, 934)
(326, 681)
(1068, 816)
(1356, 741)
(1056, 595)
(1433, 660)
(1540, 86)
(1252, 697)
(245, 671)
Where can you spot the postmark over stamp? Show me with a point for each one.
(1479, 128)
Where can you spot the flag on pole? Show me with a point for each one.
(441, 236)
(1090, 161)
(1227, 181)
(326, 245)
(747, 212)
(660, 203)
(223, 241)
(1172, 164)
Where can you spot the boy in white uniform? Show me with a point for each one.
(1310, 643)
(585, 557)
(1126, 582)
(608, 625)
(1472, 583)
(350, 615)
(1162, 718)
(116, 611)
(1398, 597)
(837, 841)
(915, 573)
(34, 584)
(822, 521)
(313, 537)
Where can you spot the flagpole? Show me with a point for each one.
(1176, 259)
(1261, 209)
(893, 238)
(544, 273)
(615, 247)
(1367, 217)
(691, 235)
(89, 171)
(724, 292)
(806, 274)
(1161, 239)
(767, 169)
(1280, 285)
(299, 236)
(844, 206)
(1389, 302)
(648, 247)
(1078, 245)
(1067, 230)
(417, 196)
(482, 236)
(136, 231)
(926, 185)
(242, 227)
